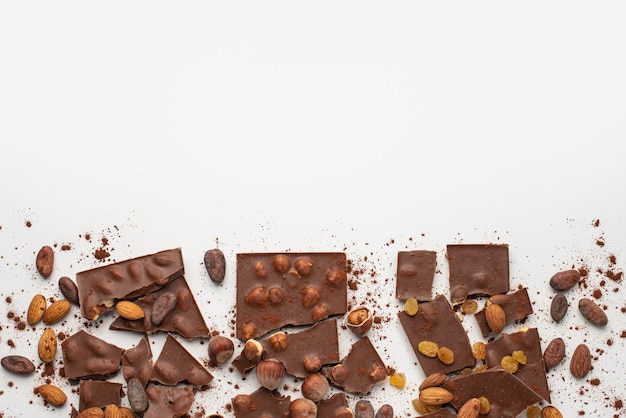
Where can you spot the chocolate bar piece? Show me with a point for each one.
(441, 413)
(415, 274)
(533, 374)
(516, 306)
(137, 362)
(436, 322)
(88, 357)
(176, 365)
(317, 343)
(477, 270)
(184, 319)
(508, 396)
(278, 289)
(332, 406)
(99, 288)
(98, 394)
(261, 403)
(359, 371)
(168, 402)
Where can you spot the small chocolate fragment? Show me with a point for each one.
(98, 393)
(564, 280)
(18, 364)
(176, 365)
(69, 290)
(441, 413)
(415, 274)
(261, 403)
(332, 406)
(558, 307)
(516, 306)
(100, 287)
(592, 312)
(215, 264)
(137, 362)
(88, 357)
(168, 402)
(477, 269)
(436, 322)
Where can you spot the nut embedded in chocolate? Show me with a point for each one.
(315, 387)
(270, 373)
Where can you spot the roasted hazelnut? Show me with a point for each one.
(310, 297)
(378, 373)
(281, 264)
(320, 312)
(302, 408)
(259, 270)
(258, 297)
(312, 364)
(303, 266)
(221, 349)
(248, 331)
(359, 320)
(339, 373)
(252, 350)
(277, 295)
(278, 340)
(315, 387)
(270, 373)
(334, 277)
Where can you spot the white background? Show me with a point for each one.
(363, 127)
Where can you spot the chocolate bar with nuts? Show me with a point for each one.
(88, 357)
(415, 274)
(516, 306)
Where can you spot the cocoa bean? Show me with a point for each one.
(69, 290)
(580, 363)
(564, 280)
(162, 306)
(215, 264)
(18, 364)
(363, 409)
(45, 261)
(137, 397)
(592, 312)
(558, 307)
(554, 353)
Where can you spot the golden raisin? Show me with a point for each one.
(519, 356)
(509, 364)
(533, 411)
(485, 405)
(445, 355)
(398, 380)
(422, 408)
(428, 348)
(411, 306)
(479, 350)
(469, 306)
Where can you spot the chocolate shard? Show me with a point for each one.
(318, 341)
(332, 406)
(137, 362)
(99, 288)
(436, 322)
(415, 274)
(168, 402)
(261, 403)
(279, 289)
(477, 270)
(442, 412)
(88, 357)
(359, 371)
(508, 396)
(98, 393)
(516, 306)
(176, 365)
(184, 319)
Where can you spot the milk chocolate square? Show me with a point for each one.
(88, 357)
(98, 393)
(415, 274)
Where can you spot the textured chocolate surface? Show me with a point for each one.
(477, 269)
(516, 306)
(86, 356)
(319, 340)
(435, 321)
(441, 413)
(278, 289)
(168, 402)
(99, 287)
(415, 274)
(98, 393)
(137, 362)
(329, 407)
(185, 319)
(533, 374)
(508, 396)
(177, 365)
(261, 403)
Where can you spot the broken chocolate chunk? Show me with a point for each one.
(261, 403)
(137, 362)
(516, 306)
(98, 394)
(332, 406)
(88, 357)
(415, 274)
(168, 402)
(176, 365)
(441, 413)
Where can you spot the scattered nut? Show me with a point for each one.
(302, 408)
(312, 364)
(550, 412)
(36, 309)
(221, 349)
(360, 320)
(470, 409)
(315, 387)
(496, 318)
(129, 310)
(435, 396)
(580, 363)
(270, 373)
(435, 379)
(52, 394)
(47, 346)
(56, 311)
(252, 350)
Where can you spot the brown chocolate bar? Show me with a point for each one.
(168, 402)
(98, 394)
(278, 289)
(260, 404)
(415, 274)
(88, 357)
(137, 362)
(99, 288)
(442, 412)
(176, 365)
(516, 306)
(333, 406)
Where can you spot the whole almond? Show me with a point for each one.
(36, 309)
(551, 412)
(93, 412)
(56, 311)
(496, 318)
(564, 280)
(580, 363)
(434, 379)
(52, 394)
(69, 290)
(558, 307)
(45, 261)
(112, 411)
(127, 412)
(435, 396)
(554, 353)
(129, 310)
(470, 409)
(47, 346)
(592, 312)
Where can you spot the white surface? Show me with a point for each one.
(351, 126)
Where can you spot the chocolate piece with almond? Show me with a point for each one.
(516, 306)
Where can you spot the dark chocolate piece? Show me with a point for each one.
(184, 319)
(436, 322)
(320, 340)
(261, 403)
(176, 365)
(516, 306)
(441, 413)
(477, 269)
(168, 402)
(98, 394)
(508, 396)
(89, 357)
(100, 287)
(278, 289)
(533, 374)
(415, 274)
(360, 370)
(137, 362)
(333, 405)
